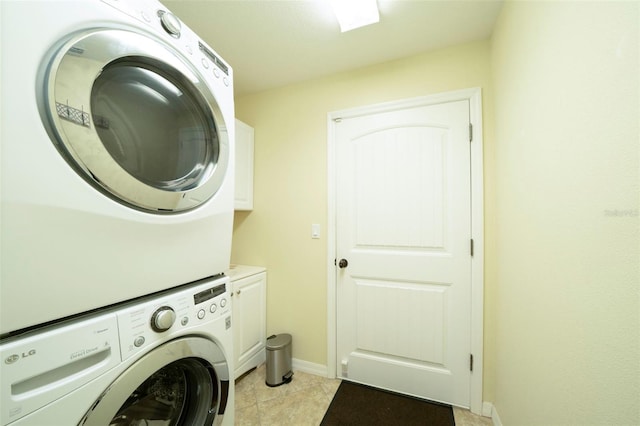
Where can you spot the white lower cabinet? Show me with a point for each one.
(249, 296)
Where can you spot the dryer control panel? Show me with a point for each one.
(172, 314)
(163, 21)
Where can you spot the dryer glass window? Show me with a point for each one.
(181, 393)
(138, 121)
(154, 124)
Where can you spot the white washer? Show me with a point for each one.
(163, 359)
(117, 162)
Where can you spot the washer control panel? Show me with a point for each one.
(148, 322)
(50, 362)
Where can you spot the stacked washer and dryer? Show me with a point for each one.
(117, 124)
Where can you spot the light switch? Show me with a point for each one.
(315, 230)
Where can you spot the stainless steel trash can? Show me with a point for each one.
(278, 360)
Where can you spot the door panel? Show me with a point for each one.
(415, 305)
(404, 225)
(391, 167)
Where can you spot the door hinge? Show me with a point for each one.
(470, 362)
(471, 246)
(470, 132)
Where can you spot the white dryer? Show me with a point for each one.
(117, 157)
(160, 360)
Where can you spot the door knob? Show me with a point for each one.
(343, 263)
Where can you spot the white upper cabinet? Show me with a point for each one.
(244, 167)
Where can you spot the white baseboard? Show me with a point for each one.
(309, 367)
(496, 418)
(487, 409)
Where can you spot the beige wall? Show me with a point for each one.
(561, 204)
(567, 171)
(291, 179)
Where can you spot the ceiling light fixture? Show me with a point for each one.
(354, 14)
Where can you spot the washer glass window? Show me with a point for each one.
(174, 395)
(182, 382)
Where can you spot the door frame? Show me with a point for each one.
(474, 96)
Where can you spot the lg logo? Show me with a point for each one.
(15, 357)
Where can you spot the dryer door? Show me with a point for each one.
(136, 120)
(183, 382)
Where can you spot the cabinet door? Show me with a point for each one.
(244, 166)
(249, 305)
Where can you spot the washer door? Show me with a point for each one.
(136, 120)
(183, 382)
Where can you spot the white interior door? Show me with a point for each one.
(403, 225)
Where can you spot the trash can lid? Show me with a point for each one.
(278, 341)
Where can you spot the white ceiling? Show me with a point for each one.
(272, 43)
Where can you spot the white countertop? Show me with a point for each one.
(236, 272)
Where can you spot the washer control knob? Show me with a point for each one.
(163, 319)
(170, 23)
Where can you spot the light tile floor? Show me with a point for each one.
(302, 402)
